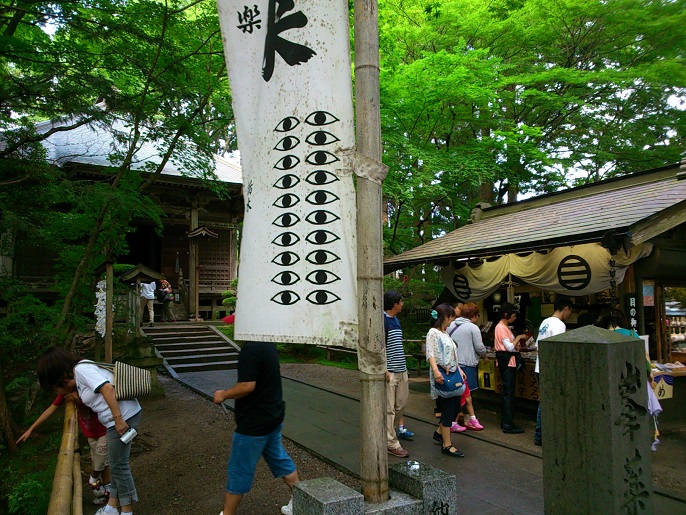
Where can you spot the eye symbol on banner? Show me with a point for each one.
(322, 257)
(322, 297)
(292, 53)
(322, 217)
(287, 143)
(287, 124)
(286, 200)
(320, 138)
(320, 158)
(287, 258)
(286, 220)
(287, 239)
(319, 118)
(321, 197)
(574, 273)
(287, 181)
(286, 278)
(321, 177)
(287, 162)
(322, 277)
(461, 287)
(321, 237)
(286, 297)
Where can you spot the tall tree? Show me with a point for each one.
(150, 73)
(485, 100)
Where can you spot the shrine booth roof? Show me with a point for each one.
(618, 213)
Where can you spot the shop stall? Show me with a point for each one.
(618, 242)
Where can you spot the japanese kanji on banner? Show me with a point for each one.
(290, 75)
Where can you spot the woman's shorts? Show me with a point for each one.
(472, 374)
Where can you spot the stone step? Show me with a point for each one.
(172, 352)
(191, 339)
(190, 347)
(202, 358)
(165, 333)
(203, 367)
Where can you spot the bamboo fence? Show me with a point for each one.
(66, 496)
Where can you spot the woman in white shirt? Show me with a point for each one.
(63, 372)
(441, 352)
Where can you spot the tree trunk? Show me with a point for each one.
(9, 429)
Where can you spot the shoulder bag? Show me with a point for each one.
(129, 382)
(453, 384)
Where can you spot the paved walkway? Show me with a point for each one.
(496, 476)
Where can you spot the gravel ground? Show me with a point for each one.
(180, 454)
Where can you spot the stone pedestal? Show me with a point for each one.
(326, 496)
(435, 488)
(596, 439)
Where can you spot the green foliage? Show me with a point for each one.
(227, 330)
(26, 328)
(229, 296)
(18, 383)
(483, 100)
(417, 293)
(677, 295)
(27, 474)
(28, 497)
(121, 268)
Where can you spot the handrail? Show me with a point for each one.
(62, 497)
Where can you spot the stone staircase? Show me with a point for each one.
(193, 347)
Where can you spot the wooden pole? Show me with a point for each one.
(663, 343)
(373, 454)
(109, 314)
(197, 280)
(77, 498)
(138, 315)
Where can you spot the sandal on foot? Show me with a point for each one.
(438, 437)
(454, 453)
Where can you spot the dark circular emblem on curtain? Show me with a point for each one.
(574, 273)
(461, 287)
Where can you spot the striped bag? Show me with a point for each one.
(129, 382)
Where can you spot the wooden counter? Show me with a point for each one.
(526, 386)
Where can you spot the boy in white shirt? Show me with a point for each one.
(551, 326)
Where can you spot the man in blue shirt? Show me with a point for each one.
(397, 383)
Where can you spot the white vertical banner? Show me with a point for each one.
(290, 75)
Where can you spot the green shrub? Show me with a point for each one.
(29, 497)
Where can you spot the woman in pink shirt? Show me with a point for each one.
(505, 351)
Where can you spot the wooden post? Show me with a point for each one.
(193, 263)
(138, 316)
(373, 454)
(663, 343)
(196, 286)
(109, 314)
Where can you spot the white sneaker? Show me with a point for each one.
(102, 511)
(288, 509)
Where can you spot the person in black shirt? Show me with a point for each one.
(259, 416)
